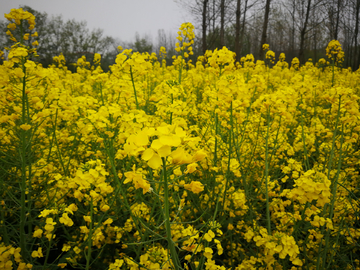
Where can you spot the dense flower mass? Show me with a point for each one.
(213, 165)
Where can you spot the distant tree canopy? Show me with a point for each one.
(142, 45)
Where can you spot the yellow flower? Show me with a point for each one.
(18, 52)
(334, 50)
(180, 156)
(209, 235)
(49, 227)
(116, 265)
(105, 208)
(208, 252)
(71, 208)
(77, 250)
(66, 247)
(199, 155)
(138, 180)
(191, 168)
(38, 233)
(18, 72)
(37, 254)
(108, 221)
(25, 126)
(66, 220)
(195, 187)
(97, 58)
(47, 212)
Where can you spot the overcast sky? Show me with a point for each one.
(118, 18)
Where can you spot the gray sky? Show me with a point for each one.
(118, 18)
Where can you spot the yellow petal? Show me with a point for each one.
(156, 144)
(163, 130)
(172, 140)
(142, 139)
(147, 154)
(199, 155)
(164, 151)
(180, 132)
(155, 162)
(178, 155)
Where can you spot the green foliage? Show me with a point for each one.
(142, 45)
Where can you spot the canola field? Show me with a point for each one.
(204, 165)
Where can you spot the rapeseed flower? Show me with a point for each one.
(137, 179)
(276, 148)
(38, 253)
(195, 187)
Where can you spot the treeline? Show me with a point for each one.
(73, 39)
(299, 28)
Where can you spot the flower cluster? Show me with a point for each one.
(334, 51)
(16, 17)
(185, 37)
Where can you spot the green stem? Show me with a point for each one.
(88, 255)
(333, 193)
(333, 73)
(229, 157)
(25, 147)
(48, 252)
(333, 189)
(307, 164)
(57, 145)
(171, 114)
(102, 97)
(133, 83)
(267, 174)
(171, 244)
(180, 70)
(216, 140)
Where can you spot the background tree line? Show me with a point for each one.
(73, 39)
(299, 28)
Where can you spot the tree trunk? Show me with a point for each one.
(237, 31)
(337, 19)
(242, 33)
(222, 23)
(357, 54)
(204, 25)
(264, 31)
(292, 46)
(303, 33)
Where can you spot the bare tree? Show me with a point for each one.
(222, 23)
(237, 30)
(265, 26)
(240, 23)
(334, 9)
(204, 25)
(356, 62)
(303, 30)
